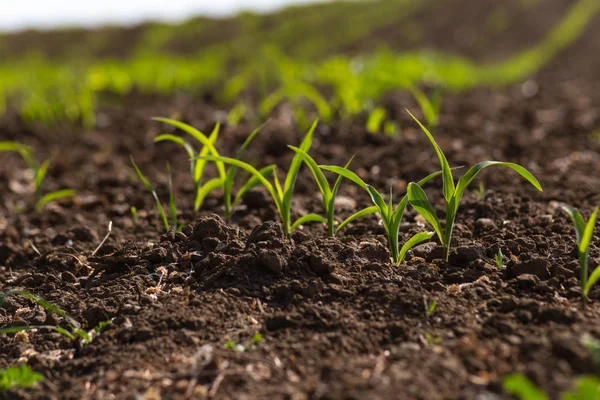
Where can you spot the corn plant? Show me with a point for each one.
(327, 193)
(225, 177)
(451, 193)
(159, 206)
(584, 232)
(281, 195)
(390, 216)
(40, 170)
(74, 330)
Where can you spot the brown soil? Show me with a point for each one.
(338, 320)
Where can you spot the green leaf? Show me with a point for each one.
(15, 329)
(577, 219)
(399, 211)
(346, 173)
(53, 196)
(18, 377)
(412, 242)
(85, 336)
(308, 218)
(586, 388)
(588, 231)
(228, 183)
(45, 304)
(166, 137)
(359, 214)
(519, 385)
(446, 171)
(253, 171)
(384, 210)
(253, 182)
(278, 186)
(591, 281)
(468, 177)
(40, 174)
(292, 174)
(317, 173)
(204, 190)
(172, 205)
(146, 182)
(418, 199)
(427, 107)
(199, 136)
(14, 146)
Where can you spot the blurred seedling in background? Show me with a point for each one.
(73, 332)
(430, 106)
(499, 259)
(376, 122)
(281, 195)
(584, 232)
(480, 191)
(430, 307)
(39, 170)
(16, 377)
(520, 386)
(451, 193)
(159, 206)
(226, 177)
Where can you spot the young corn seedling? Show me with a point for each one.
(328, 193)
(453, 193)
(226, 177)
(73, 332)
(584, 232)
(159, 206)
(390, 216)
(40, 171)
(281, 195)
(20, 376)
(499, 259)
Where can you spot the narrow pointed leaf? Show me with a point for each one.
(399, 212)
(150, 188)
(346, 173)
(316, 171)
(231, 172)
(45, 304)
(14, 146)
(15, 329)
(250, 169)
(446, 171)
(172, 205)
(208, 148)
(588, 231)
(355, 216)
(468, 177)
(278, 186)
(577, 219)
(53, 196)
(412, 242)
(378, 200)
(592, 281)
(253, 182)
(292, 174)
(419, 201)
(204, 190)
(41, 172)
(308, 218)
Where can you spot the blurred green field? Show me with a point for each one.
(334, 60)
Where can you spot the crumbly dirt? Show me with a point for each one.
(336, 318)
